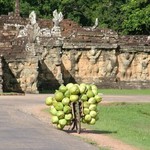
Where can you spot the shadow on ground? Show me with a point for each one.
(91, 131)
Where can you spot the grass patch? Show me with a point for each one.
(11, 93)
(112, 91)
(125, 91)
(128, 122)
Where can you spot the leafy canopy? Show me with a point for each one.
(123, 16)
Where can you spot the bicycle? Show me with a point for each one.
(77, 115)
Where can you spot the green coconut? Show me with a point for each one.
(58, 96)
(55, 119)
(49, 101)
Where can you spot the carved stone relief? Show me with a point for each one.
(142, 66)
(26, 74)
(91, 56)
(28, 77)
(58, 17)
(77, 57)
(53, 63)
(110, 67)
(125, 61)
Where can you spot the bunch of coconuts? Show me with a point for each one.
(65, 95)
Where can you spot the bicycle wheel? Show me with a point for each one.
(78, 117)
(73, 123)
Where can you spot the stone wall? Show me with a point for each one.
(109, 68)
(20, 76)
(36, 59)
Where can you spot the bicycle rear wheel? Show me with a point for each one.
(78, 117)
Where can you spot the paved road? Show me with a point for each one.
(22, 131)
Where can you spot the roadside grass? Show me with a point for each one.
(112, 91)
(127, 122)
(10, 93)
(125, 91)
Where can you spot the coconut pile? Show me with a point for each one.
(60, 103)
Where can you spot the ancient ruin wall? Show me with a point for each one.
(110, 68)
(71, 54)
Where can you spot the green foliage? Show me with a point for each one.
(136, 16)
(123, 16)
(43, 8)
(6, 6)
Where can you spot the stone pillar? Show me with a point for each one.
(1, 73)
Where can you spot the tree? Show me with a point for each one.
(136, 17)
(6, 6)
(123, 16)
(77, 10)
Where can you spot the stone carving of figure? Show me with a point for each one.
(77, 57)
(93, 55)
(31, 31)
(16, 68)
(142, 67)
(58, 17)
(125, 62)
(28, 77)
(32, 18)
(32, 28)
(110, 68)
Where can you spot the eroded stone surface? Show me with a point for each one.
(40, 55)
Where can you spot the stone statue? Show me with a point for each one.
(31, 31)
(58, 17)
(32, 18)
(32, 28)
